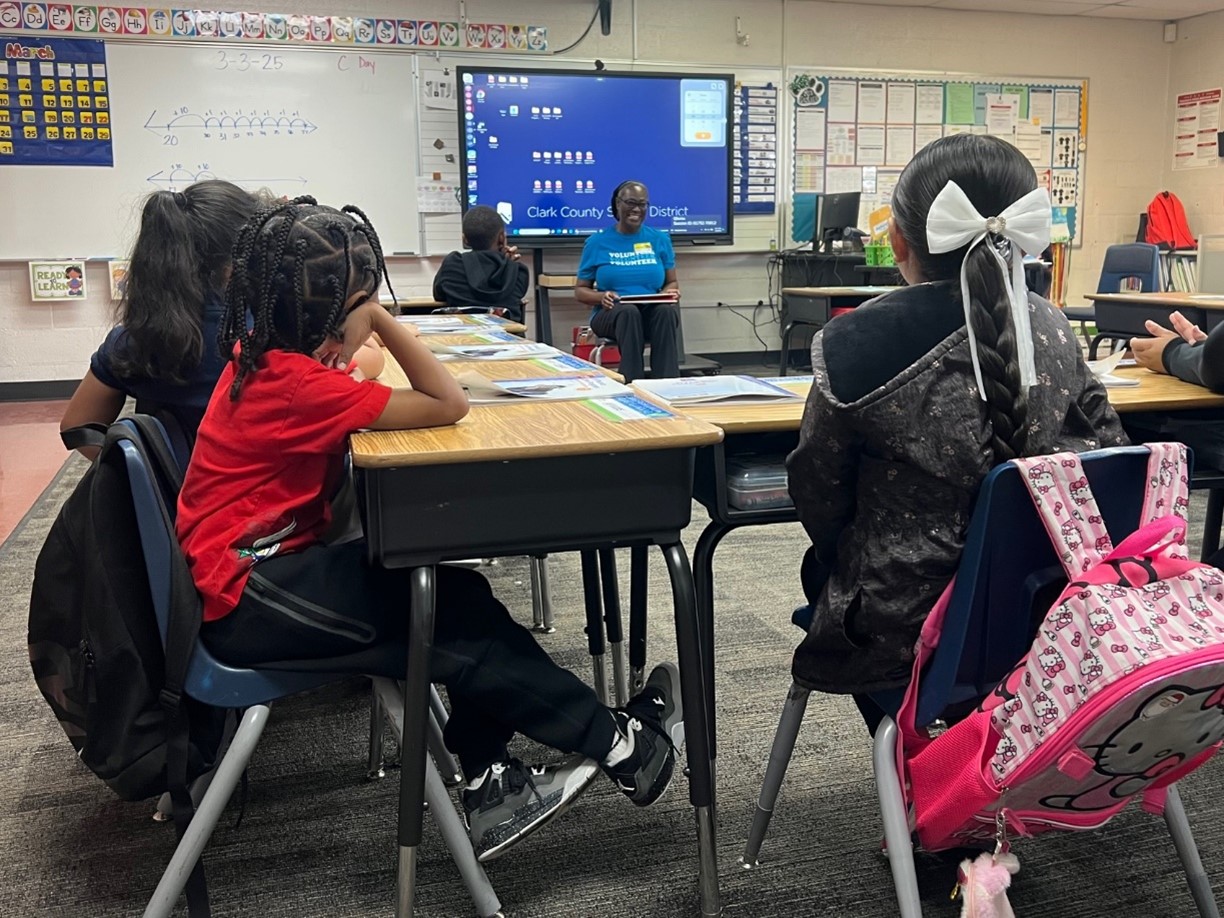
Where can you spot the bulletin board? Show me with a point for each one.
(855, 131)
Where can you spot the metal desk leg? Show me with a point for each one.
(638, 581)
(785, 358)
(703, 579)
(612, 621)
(413, 751)
(594, 623)
(698, 726)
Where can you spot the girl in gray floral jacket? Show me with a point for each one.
(909, 409)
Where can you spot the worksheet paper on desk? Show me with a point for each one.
(550, 388)
(508, 351)
(1103, 370)
(698, 390)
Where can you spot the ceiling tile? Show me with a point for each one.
(1032, 7)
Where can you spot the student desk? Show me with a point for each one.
(1124, 313)
(813, 306)
(439, 494)
(772, 429)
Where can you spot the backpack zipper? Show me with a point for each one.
(91, 692)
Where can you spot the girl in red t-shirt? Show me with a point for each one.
(254, 507)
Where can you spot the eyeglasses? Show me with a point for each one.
(634, 203)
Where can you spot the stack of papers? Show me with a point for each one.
(699, 390)
(549, 388)
(1103, 370)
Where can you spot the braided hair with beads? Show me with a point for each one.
(295, 265)
(993, 174)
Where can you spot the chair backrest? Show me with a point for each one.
(208, 679)
(1009, 571)
(1129, 260)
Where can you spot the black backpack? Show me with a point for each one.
(94, 644)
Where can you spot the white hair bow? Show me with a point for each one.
(954, 222)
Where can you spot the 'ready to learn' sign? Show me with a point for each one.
(57, 280)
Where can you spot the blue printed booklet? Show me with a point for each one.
(699, 390)
(549, 388)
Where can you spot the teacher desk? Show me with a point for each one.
(813, 306)
(772, 429)
(439, 494)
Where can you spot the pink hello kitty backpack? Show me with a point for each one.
(1120, 695)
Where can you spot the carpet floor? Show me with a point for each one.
(317, 838)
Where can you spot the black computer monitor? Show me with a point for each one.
(834, 212)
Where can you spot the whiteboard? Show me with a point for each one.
(336, 124)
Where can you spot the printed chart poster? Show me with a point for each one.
(57, 280)
(54, 103)
(1194, 132)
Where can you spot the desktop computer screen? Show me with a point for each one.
(834, 212)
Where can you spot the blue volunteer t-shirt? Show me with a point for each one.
(627, 264)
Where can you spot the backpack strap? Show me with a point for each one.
(1168, 482)
(91, 434)
(1068, 509)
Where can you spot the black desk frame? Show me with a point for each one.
(710, 490)
(647, 500)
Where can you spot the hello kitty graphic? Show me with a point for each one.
(1103, 545)
(1171, 726)
(1101, 621)
(1198, 607)
(1041, 478)
(1045, 709)
(1051, 662)
(1072, 535)
(1157, 590)
(1079, 491)
(1165, 475)
(1091, 667)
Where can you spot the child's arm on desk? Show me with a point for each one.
(435, 399)
(369, 359)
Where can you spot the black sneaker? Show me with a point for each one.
(654, 719)
(514, 800)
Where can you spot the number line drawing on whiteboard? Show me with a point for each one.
(223, 125)
(178, 177)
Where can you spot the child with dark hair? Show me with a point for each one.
(163, 351)
(916, 396)
(490, 274)
(253, 509)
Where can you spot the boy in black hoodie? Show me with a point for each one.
(490, 274)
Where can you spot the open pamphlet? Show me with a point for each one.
(700, 390)
(1103, 370)
(548, 388)
(494, 351)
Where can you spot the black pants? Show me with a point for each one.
(328, 601)
(632, 326)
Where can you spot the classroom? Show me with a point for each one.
(523, 444)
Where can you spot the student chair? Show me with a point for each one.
(212, 682)
(1129, 262)
(1008, 570)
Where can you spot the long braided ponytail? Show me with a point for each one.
(993, 174)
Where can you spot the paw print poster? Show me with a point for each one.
(54, 103)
